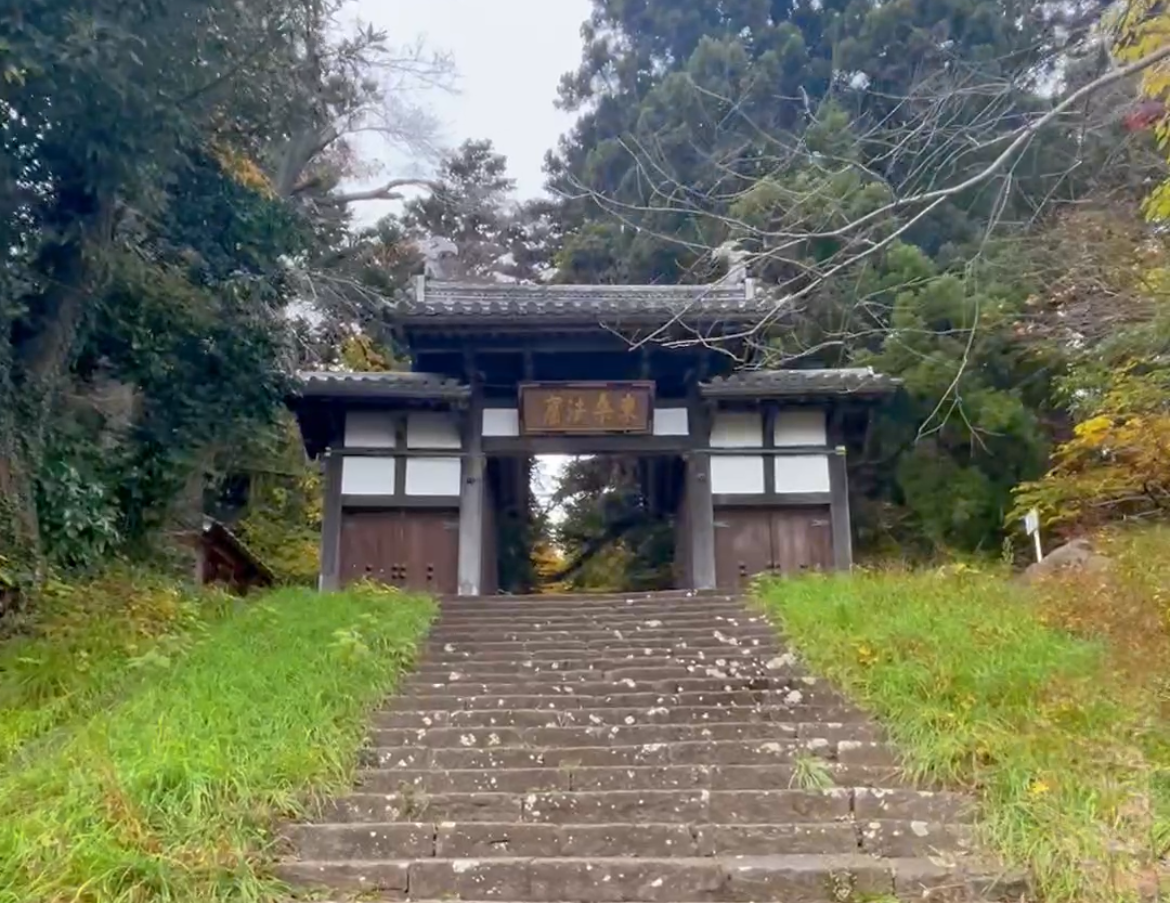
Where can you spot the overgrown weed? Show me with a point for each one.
(171, 792)
(1017, 695)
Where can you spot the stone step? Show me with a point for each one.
(683, 807)
(673, 630)
(613, 647)
(392, 840)
(672, 806)
(688, 608)
(697, 716)
(726, 661)
(793, 878)
(600, 685)
(371, 842)
(629, 732)
(616, 672)
(663, 777)
(556, 702)
(698, 752)
(452, 629)
(542, 606)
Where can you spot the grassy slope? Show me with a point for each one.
(1035, 699)
(164, 786)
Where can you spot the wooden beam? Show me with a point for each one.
(330, 576)
(471, 499)
(776, 500)
(700, 505)
(839, 511)
(586, 445)
(400, 502)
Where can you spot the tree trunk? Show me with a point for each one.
(34, 367)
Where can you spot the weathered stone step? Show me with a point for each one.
(555, 702)
(793, 878)
(663, 777)
(562, 611)
(728, 661)
(601, 685)
(615, 672)
(390, 840)
(516, 626)
(698, 752)
(586, 607)
(628, 732)
(512, 636)
(671, 806)
(613, 646)
(695, 716)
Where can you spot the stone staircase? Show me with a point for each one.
(634, 748)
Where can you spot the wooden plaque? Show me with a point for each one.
(557, 409)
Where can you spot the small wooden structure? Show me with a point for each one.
(749, 466)
(222, 558)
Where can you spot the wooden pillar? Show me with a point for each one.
(330, 577)
(700, 505)
(471, 499)
(839, 511)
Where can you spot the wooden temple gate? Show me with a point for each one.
(423, 469)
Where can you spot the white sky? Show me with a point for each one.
(510, 55)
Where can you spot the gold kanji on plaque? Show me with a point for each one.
(552, 410)
(628, 409)
(604, 410)
(586, 407)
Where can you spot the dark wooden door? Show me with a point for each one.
(802, 539)
(414, 549)
(743, 545)
(431, 540)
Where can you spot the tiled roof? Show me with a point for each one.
(397, 384)
(446, 301)
(774, 383)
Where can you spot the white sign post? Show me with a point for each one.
(1032, 527)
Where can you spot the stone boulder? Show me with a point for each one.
(1077, 555)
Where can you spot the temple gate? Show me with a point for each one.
(422, 467)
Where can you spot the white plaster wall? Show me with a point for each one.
(800, 426)
(432, 430)
(737, 474)
(433, 476)
(671, 422)
(802, 473)
(367, 476)
(736, 429)
(369, 429)
(501, 421)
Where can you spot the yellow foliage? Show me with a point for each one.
(547, 562)
(1142, 27)
(360, 354)
(1118, 461)
(243, 170)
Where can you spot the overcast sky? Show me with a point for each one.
(510, 55)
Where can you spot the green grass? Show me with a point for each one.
(980, 693)
(90, 642)
(170, 791)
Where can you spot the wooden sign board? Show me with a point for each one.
(557, 409)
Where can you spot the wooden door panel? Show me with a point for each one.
(743, 545)
(431, 539)
(371, 547)
(414, 549)
(802, 539)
